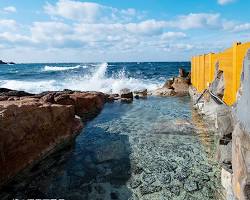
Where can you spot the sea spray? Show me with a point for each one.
(87, 77)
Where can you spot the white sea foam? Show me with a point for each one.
(30, 86)
(97, 80)
(56, 68)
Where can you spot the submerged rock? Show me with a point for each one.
(164, 92)
(149, 189)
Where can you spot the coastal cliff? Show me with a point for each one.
(33, 126)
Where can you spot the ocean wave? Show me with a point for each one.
(57, 68)
(97, 80)
(30, 86)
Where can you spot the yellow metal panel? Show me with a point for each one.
(230, 62)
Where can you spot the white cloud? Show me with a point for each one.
(173, 35)
(224, 2)
(9, 9)
(7, 24)
(241, 27)
(88, 12)
(197, 20)
(13, 37)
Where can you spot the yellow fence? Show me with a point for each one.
(229, 61)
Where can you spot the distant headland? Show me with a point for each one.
(4, 63)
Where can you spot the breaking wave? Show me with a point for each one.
(95, 80)
(56, 68)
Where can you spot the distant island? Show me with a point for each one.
(4, 63)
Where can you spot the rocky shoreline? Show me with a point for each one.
(33, 125)
(232, 125)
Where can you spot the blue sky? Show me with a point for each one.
(119, 30)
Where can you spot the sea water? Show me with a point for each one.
(154, 148)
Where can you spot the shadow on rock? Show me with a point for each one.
(95, 166)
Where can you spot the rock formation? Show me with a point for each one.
(2, 63)
(32, 126)
(233, 126)
(178, 86)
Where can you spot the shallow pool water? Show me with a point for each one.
(155, 148)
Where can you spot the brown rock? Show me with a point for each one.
(141, 93)
(182, 73)
(88, 105)
(31, 127)
(126, 94)
(180, 85)
(164, 92)
(11, 93)
(29, 130)
(168, 84)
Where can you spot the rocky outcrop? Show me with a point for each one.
(233, 126)
(163, 92)
(141, 93)
(181, 85)
(32, 126)
(177, 86)
(2, 63)
(126, 95)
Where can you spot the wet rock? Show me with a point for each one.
(114, 150)
(141, 93)
(168, 84)
(180, 85)
(175, 189)
(135, 183)
(206, 168)
(163, 92)
(99, 189)
(190, 185)
(126, 100)
(48, 98)
(126, 94)
(137, 169)
(14, 93)
(182, 73)
(183, 174)
(165, 178)
(41, 123)
(75, 196)
(114, 195)
(148, 178)
(64, 99)
(149, 189)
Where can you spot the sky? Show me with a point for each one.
(119, 30)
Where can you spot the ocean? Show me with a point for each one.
(151, 149)
(104, 77)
